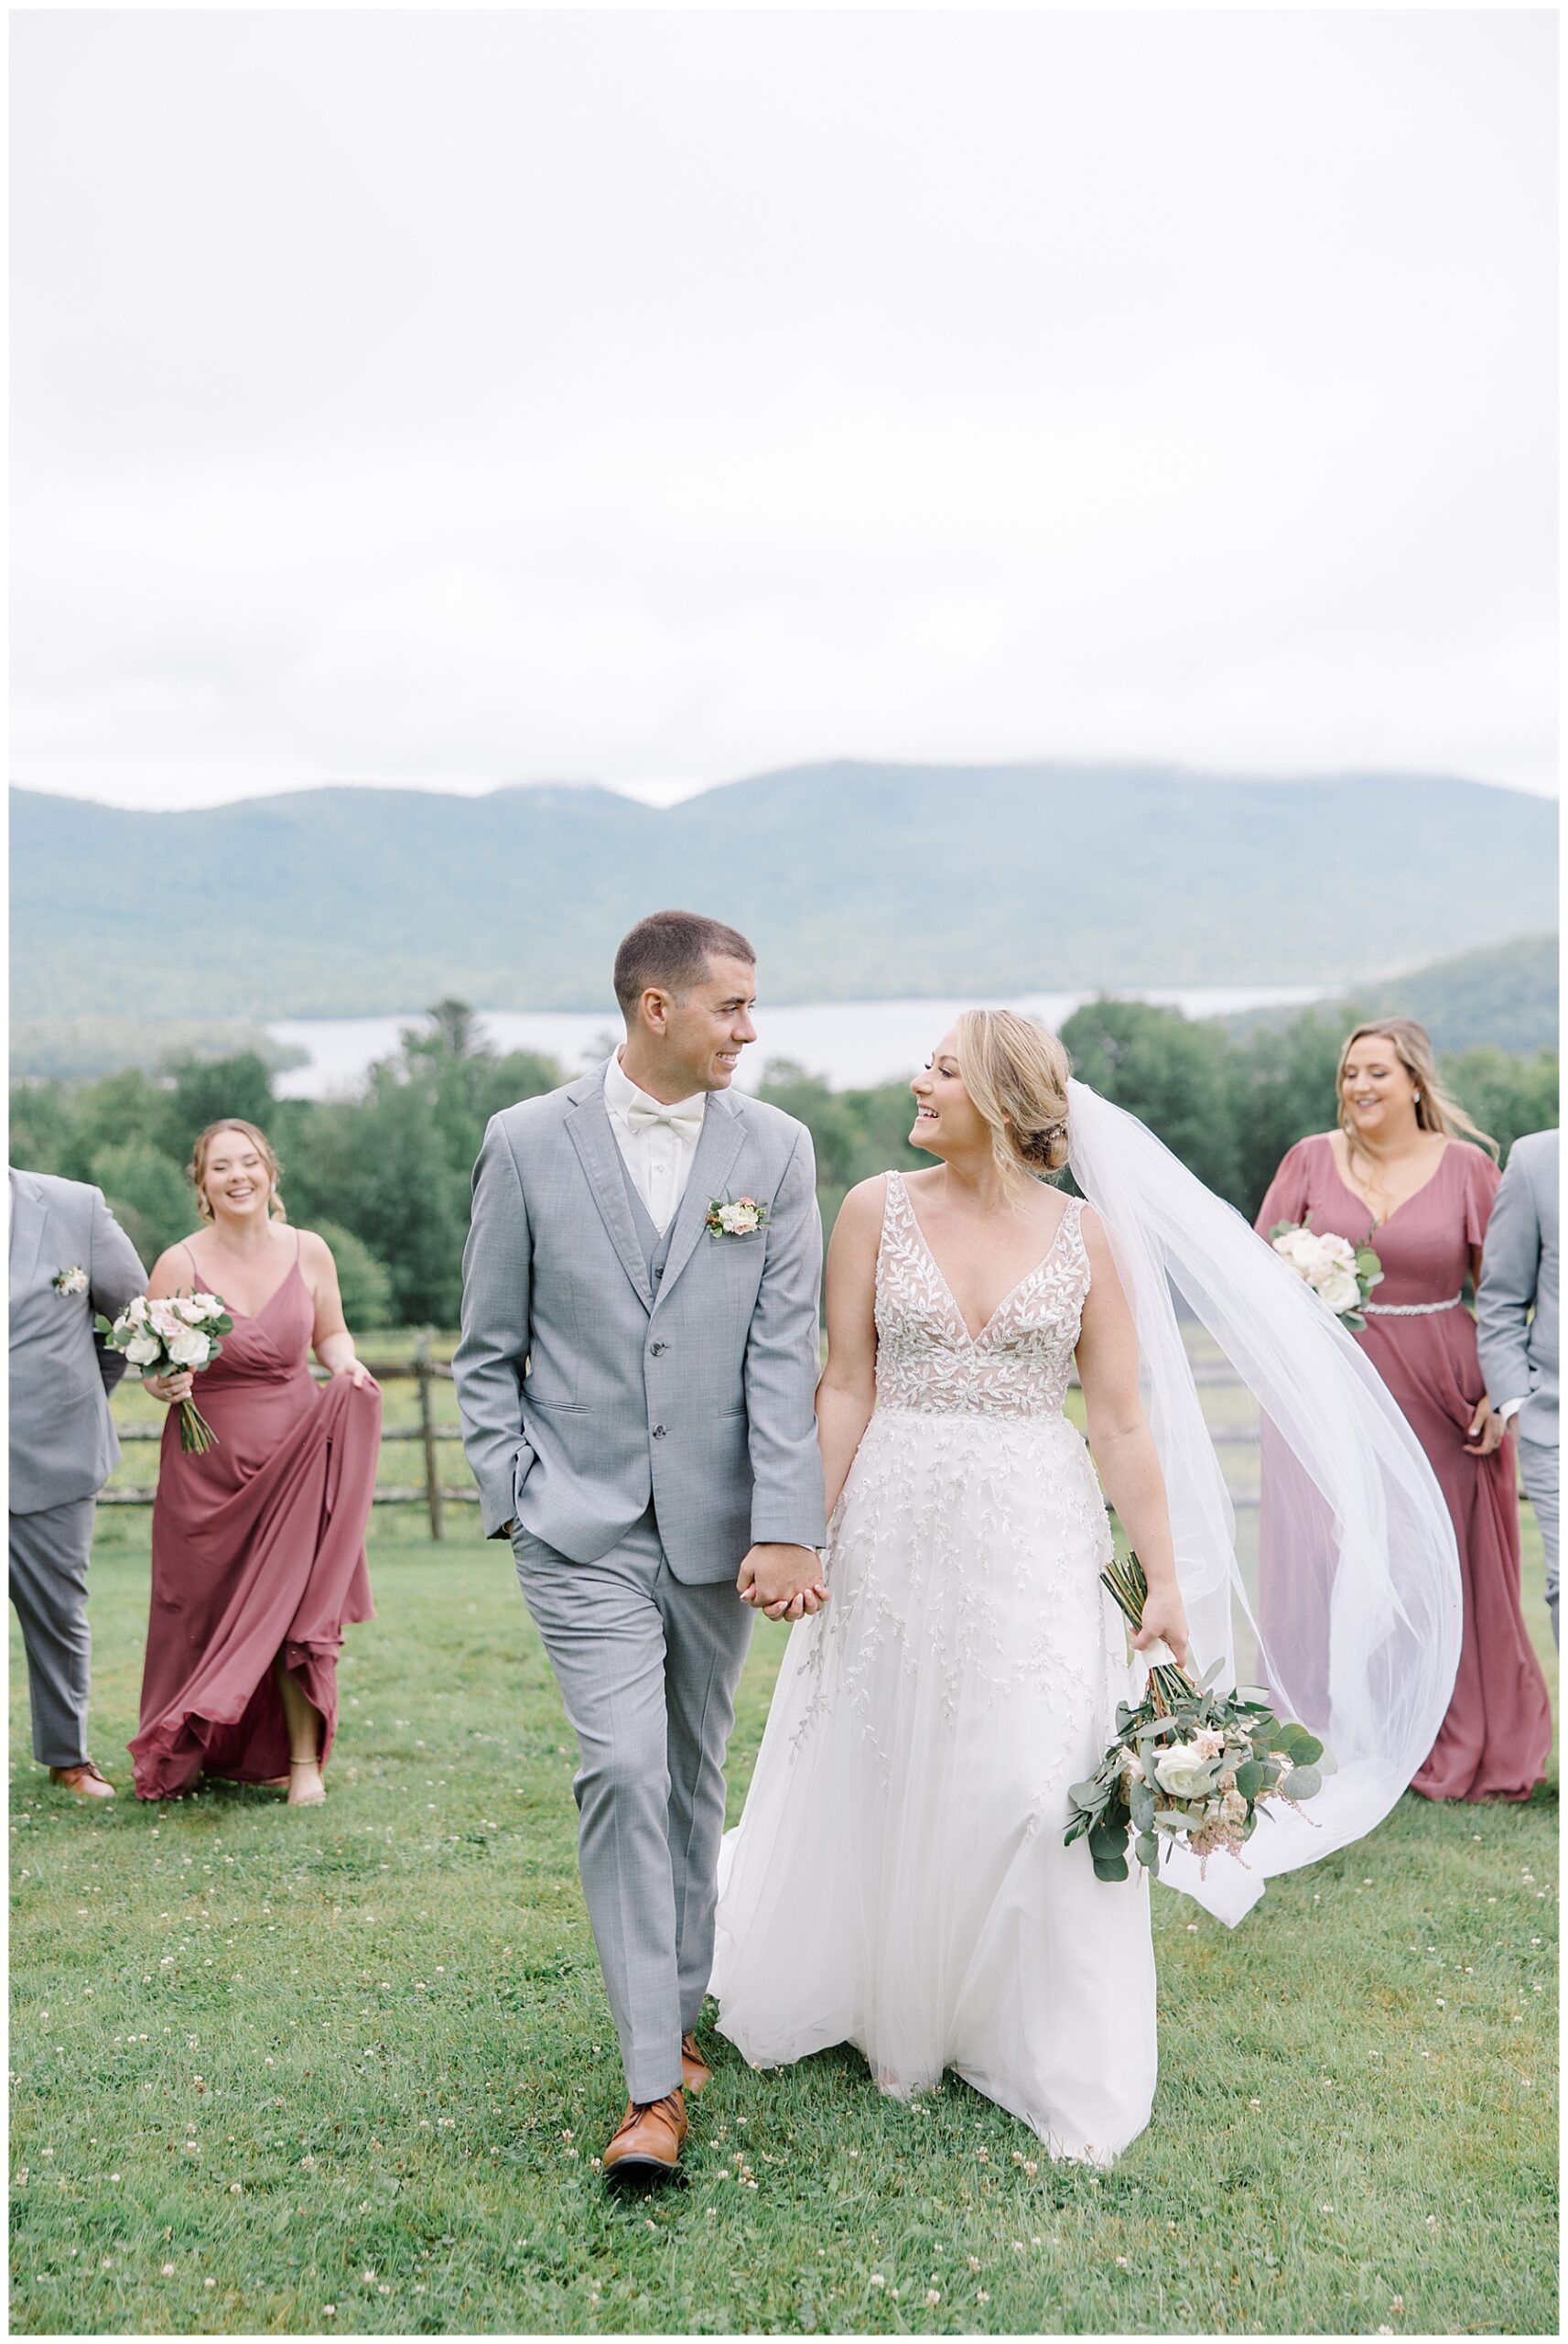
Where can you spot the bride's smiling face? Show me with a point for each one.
(946, 1119)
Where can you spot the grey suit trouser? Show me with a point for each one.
(49, 1553)
(1538, 1466)
(648, 1668)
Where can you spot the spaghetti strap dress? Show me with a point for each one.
(258, 1553)
(1421, 1340)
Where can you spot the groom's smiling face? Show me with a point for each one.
(705, 1028)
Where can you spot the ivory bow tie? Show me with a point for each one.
(685, 1119)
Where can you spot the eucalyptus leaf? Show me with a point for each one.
(1110, 1867)
(1301, 1782)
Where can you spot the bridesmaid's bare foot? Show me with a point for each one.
(306, 1787)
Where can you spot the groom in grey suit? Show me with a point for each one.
(1516, 1321)
(636, 1388)
(70, 1257)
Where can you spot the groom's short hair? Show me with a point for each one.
(672, 950)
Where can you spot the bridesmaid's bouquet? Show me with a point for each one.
(1340, 1273)
(182, 1330)
(1188, 1765)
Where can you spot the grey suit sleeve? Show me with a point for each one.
(489, 1363)
(117, 1277)
(1510, 1262)
(783, 1358)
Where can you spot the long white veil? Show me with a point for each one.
(1341, 1595)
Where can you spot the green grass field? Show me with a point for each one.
(347, 2068)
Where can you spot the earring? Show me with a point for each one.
(1418, 1097)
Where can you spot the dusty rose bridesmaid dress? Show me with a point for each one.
(258, 1548)
(1495, 1740)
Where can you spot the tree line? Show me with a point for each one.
(383, 1175)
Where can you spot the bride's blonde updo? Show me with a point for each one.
(1016, 1073)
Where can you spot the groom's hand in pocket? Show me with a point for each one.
(782, 1583)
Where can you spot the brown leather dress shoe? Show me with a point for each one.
(649, 2141)
(84, 1780)
(695, 2070)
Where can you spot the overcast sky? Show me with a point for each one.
(456, 400)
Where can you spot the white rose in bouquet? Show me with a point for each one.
(188, 1349)
(142, 1349)
(1340, 1290)
(1183, 1770)
(1300, 1248)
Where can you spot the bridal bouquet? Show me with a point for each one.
(182, 1330)
(1341, 1273)
(1187, 1764)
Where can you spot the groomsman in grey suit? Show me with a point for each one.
(1516, 1320)
(70, 1257)
(636, 1378)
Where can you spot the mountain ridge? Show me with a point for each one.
(855, 881)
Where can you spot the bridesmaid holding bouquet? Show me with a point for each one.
(258, 1542)
(1396, 1174)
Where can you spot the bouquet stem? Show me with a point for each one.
(196, 1435)
(1167, 1683)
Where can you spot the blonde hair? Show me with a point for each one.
(196, 1170)
(1016, 1073)
(1436, 1110)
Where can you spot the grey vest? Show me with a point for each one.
(655, 1249)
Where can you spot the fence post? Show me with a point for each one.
(425, 1380)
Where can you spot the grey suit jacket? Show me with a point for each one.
(586, 1388)
(63, 1444)
(1518, 1268)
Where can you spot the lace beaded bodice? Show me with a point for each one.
(1019, 1363)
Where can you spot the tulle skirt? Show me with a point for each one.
(898, 1879)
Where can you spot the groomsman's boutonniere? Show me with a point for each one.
(71, 1281)
(735, 1216)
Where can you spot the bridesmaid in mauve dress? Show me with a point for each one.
(258, 1544)
(1396, 1177)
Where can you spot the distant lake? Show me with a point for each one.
(853, 1044)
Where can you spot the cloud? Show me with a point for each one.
(456, 400)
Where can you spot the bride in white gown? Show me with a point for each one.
(898, 1879)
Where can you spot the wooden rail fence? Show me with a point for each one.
(426, 1372)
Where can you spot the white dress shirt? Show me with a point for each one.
(657, 1143)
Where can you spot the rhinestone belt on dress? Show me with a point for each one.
(1409, 1309)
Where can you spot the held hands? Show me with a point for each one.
(782, 1583)
(1164, 1620)
(1486, 1430)
(170, 1388)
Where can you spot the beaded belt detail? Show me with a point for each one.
(1409, 1309)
